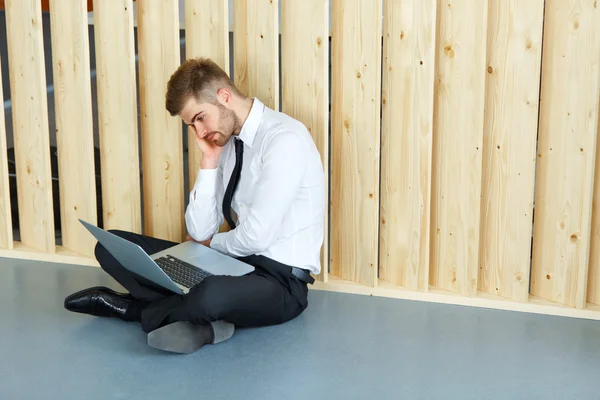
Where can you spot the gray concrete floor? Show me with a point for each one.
(343, 347)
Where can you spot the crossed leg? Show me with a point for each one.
(263, 297)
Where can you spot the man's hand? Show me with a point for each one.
(204, 242)
(210, 151)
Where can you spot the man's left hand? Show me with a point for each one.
(204, 242)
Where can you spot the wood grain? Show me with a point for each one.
(304, 80)
(457, 144)
(117, 115)
(256, 49)
(206, 35)
(509, 145)
(30, 123)
(407, 129)
(355, 142)
(74, 122)
(162, 151)
(566, 151)
(593, 290)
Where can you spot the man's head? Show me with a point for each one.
(202, 94)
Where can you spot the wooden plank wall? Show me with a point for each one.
(406, 141)
(26, 65)
(162, 151)
(305, 81)
(566, 151)
(514, 51)
(74, 122)
(458, 144)
(118, 119)
(355, 139)
(256, 49)
(452, 132)
(206, 35)
(593, 290)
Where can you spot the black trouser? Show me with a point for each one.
(269, 295)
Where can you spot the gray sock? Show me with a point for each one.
(221, 331)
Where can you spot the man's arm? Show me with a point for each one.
(284, 165)
(203, 215)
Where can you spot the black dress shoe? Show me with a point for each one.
(99, 301)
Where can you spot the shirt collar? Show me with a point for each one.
(250, 127)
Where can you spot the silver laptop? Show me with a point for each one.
(178, 268)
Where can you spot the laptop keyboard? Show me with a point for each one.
(182, 272)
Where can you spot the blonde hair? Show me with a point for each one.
(198, 78)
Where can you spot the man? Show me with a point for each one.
(263, 164)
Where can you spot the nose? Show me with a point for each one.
(199, 128)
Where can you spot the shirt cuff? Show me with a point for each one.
(206, 181)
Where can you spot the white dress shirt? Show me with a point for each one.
(280, 198)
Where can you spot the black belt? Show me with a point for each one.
(268, 263)
(303, 275)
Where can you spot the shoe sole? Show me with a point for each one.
(179, 337)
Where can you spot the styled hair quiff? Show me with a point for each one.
(198, 78)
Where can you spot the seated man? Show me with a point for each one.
(263, 164)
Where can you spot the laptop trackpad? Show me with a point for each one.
(209, 261)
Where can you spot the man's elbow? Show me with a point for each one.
(199, 232)
(257, 240)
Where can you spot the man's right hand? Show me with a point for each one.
(210, 152)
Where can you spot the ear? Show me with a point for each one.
(224, 97)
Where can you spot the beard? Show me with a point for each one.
(228, 123)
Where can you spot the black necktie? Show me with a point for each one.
(233, 181)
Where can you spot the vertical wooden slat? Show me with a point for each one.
(256, 49)
(407, 127)
(509, 145)
(206, 35)
(74, 124)
(355, 123)
(593, 291)
(566, 151)
(457, 144)
(162, 152)
(304, 79)
(117, 114)
(30, 123)
(6, 236)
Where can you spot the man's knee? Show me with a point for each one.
(120, 233)
(208, 300)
